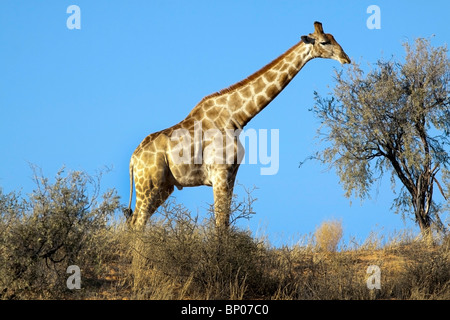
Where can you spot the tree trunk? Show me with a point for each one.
(422, 199)
(421, 192)
(423, 220)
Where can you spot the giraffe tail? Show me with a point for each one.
(128, 212)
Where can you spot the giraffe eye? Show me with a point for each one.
(324, 43)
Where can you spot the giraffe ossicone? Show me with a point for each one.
(204, 148)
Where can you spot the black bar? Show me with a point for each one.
(211, 309)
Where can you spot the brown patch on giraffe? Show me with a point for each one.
(144, 143)
(187, 123)
(199, 114)
(240, 118)
(234, 99)
(208, 104)
(209, 123)
(224, 114)
(145, 157)
(260, 99)
(290, 58)
(272, 91)
(304, 55)
(271, 76)
(246, 92)
(292, 71)
(259, 85)
(221, 100)
(283, 77)
(212, 114)
(250, 108)
(282, 67)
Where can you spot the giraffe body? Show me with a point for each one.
(213, 125)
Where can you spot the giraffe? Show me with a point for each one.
(154, 166)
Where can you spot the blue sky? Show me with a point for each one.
(86, 98)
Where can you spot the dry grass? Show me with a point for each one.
(193, 264)
(241, 267)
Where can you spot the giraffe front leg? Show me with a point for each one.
(223, 192)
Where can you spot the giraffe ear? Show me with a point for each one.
(308, 40)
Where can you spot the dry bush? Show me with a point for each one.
(205, 265)
(59, 225)
(328, 235)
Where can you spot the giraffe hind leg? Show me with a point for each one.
(145, 207)
(148, 205)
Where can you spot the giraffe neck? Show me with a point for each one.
(247, 98)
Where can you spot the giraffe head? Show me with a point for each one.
(324, 45)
